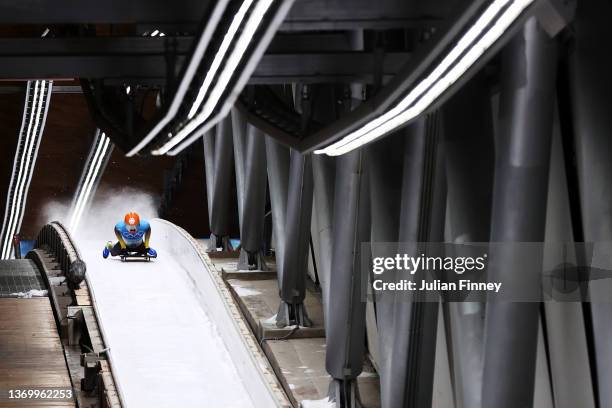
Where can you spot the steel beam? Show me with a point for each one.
(468, 144)
(307, 14)
(277, 159)
(571, 372)
(221, 186)
(590, 90)
(519, 211)
(385, 173)
(103, 12)
(346, 318)
(341, 67)
(254, 205)
(146, 58)
(324, 171)
(364, 14)
(209, 169)
(297, 233)
(346, 323)
(324, 174)
(407, 361)
(239, 132)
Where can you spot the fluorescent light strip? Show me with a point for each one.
(92, 173)
(187, 78)
(16, 161)
(86, 190)
(89, 173)
(36, 135)
(6, 245)
(247, 70)
(9, 212)
(400, 114)
(229, 69)
(97, 145)
(483, 21)
(21, 194)
(25, 171)
(214, 66)
(199, 132)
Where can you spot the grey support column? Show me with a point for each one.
(519, 211)
(590, 69)
(468, 142)
(407, 365)
(277, 159)
(297, 233)
(222, 186)
(346, 321)
(239, 134)
(209, 168)
(324, 173)
(385, 162)
(254, 205)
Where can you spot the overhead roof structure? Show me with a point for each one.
(315, 131)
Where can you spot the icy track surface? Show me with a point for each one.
(165, 350)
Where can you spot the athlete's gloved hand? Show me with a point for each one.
(152, 253)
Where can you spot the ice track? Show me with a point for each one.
(165, 348)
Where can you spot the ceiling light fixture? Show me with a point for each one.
(229, 68)
(203, 121)
(190, 72)
(98, 157)
(32, 125)
(225, 44)
(498, 17)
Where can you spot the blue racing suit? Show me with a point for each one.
(137, 241)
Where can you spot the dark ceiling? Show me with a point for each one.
(105, 46)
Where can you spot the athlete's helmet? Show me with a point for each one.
(132, 221)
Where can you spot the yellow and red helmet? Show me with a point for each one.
(132, 220)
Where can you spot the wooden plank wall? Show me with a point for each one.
(31, 354)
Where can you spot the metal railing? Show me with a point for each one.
(55, 238)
